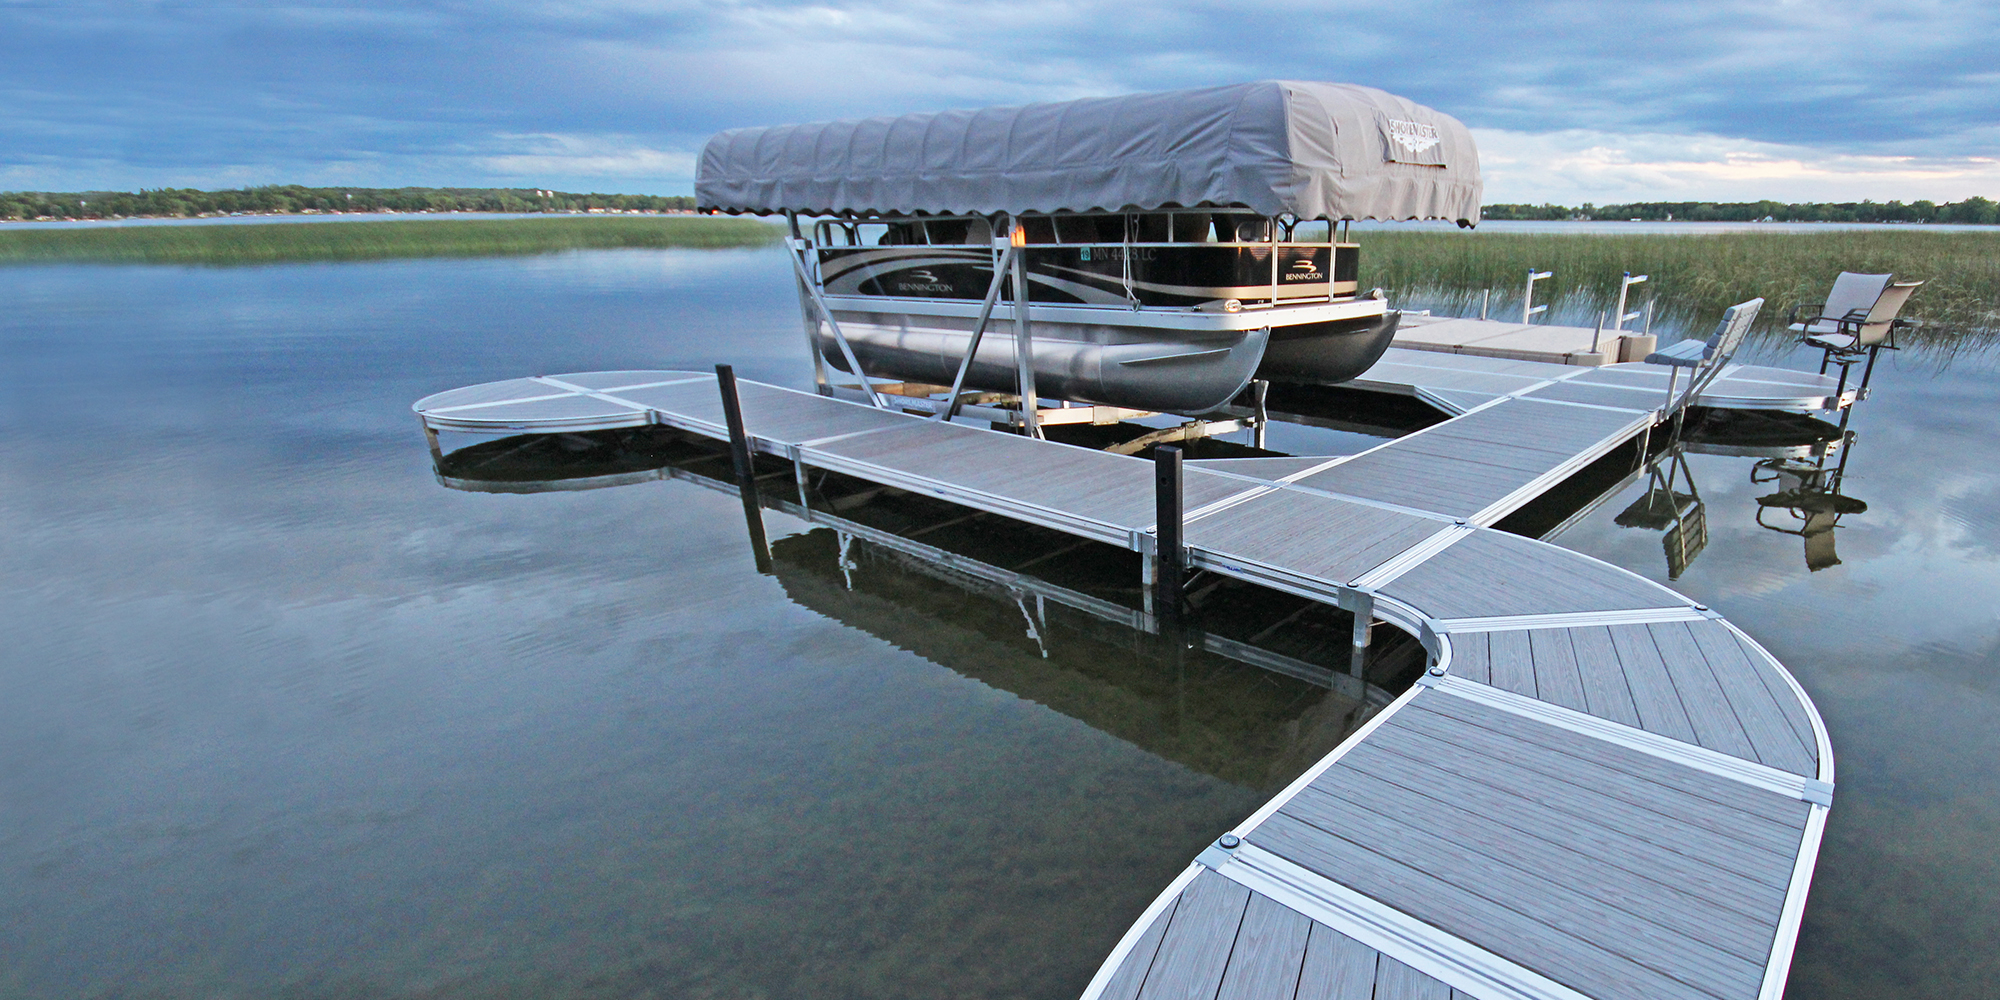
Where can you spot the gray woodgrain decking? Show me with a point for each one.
(1219, 941)
(1485, 464)
(1467, 380)
(1608, 871)
(1600, 791)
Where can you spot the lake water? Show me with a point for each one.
(259, 220)
(1599, 227)
(280, 716)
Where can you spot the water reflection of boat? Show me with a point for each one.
(1163, 249)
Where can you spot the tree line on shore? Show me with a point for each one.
(291, 199)
(1978, 211)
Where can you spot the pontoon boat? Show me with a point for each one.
(1172, 246)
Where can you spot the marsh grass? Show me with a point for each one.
(1695, 277)
(334, 241)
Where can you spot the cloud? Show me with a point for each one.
(444, 91)
(1572, 166)
(618, 157)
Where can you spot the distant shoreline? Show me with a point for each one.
(296, 199)
(270, 241)
(372, 215)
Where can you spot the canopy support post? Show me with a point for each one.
(798, 251)
(820, 384)
(1274, 262)
(1024, 341)
(978, 332)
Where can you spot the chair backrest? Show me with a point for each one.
(1820, 553)
(1875, 329)
(1722, 345)
(1853, 291)
(1729, 333)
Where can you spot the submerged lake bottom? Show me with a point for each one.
(283, 716)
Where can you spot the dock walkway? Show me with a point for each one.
(1456, 383)
(1562, 345)
(1599, 789)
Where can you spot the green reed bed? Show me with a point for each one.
(1696, 276)
(322, 241)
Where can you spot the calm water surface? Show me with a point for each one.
(279, 716)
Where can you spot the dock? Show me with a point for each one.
(1459, 383)
(1598, 788)
(1544, 342)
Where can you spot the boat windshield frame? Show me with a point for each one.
(836, 235)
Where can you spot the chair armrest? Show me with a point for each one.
(1805, 316)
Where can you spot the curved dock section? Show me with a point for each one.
(1600, 788)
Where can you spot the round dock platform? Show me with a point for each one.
(581, 401)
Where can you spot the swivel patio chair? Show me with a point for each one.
(1858, 319)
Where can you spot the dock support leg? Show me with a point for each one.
(1259, 391)
(1361, 604)
(746, 471)
(799, 477)
(437, 455)
(1169, 567)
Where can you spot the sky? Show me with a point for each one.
(1570, 102)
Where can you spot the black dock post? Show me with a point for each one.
(746, 469)
(1169, 570)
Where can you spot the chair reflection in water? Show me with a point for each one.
(1663, 507)
(1810, 493)
(1808, 489)
(1666, 508)
(1857, 320)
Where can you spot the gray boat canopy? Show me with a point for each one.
(1314, 150)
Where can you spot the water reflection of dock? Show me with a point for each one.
(1597, 788)
(1078, 656)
